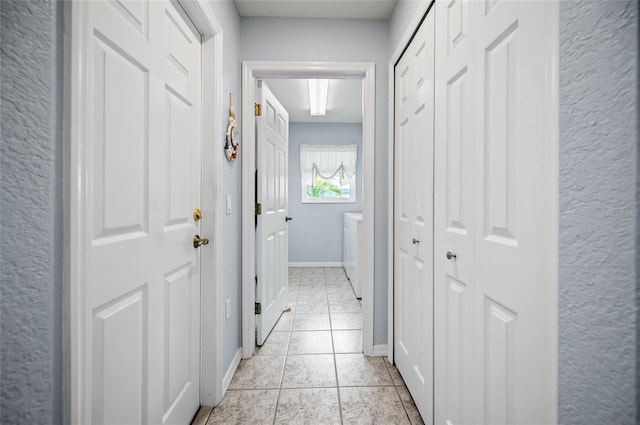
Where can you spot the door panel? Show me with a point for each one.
(142, 290)
(495, 300)
(272, 192)
(413, 211)
(454, 215)
(515, 276)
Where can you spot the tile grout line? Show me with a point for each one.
(333, 347)
(404, 407)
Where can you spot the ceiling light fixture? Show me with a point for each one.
(318, 90)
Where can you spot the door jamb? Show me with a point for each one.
(412, 27)
(251, 71)
(200, 12)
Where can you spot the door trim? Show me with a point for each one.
(412, 27)
(251, 71)
(211, 391)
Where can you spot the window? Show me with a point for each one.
(328, 173)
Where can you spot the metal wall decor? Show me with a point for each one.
(232, 143)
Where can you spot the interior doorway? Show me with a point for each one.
(253, 71)
(324, 188)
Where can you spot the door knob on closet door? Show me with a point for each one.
(288, 219)
(451, 255)
(415, 241)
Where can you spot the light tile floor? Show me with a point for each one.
(311, 369)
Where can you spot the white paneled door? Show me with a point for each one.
(141, 166)
(272, 136)
(495, 180)
(413, 240)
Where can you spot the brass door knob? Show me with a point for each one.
(451, 255)
(197, 214)
(197, 241)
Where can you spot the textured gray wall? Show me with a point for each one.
(315, 234)
(31, 212)
(598, 210)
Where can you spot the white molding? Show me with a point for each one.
(553, 59)
(212, 303)
(75, 190)
(380, 350)
(412, 27)
(231, 370)
(308, 264)
(252, 70)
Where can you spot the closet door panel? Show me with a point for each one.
(413, 235)
(454, 223)
(515, 298)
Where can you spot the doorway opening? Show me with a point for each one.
(253, 71)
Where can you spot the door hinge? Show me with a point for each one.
(258, 208)
(258, 108)
(258, 308)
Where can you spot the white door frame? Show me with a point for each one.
(251, 71)
(75, 189)
(413, 26)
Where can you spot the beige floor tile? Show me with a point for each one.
(343, 321)
(276, 344)
(245, 407)
(359, 370)
(410, 406)
(258, 372)
(284, 323)
(345, 306)
(308, 371)
(395, 374)
(312, 306)
(311, 342)
(341, 295)
(372, 405)
(334, 272)
(347, 341)
(308, 406)
(311, 322)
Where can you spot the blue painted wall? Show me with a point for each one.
(315, 234)
(598, 212)
(228, 17)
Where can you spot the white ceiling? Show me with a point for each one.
(344, 100)
(348, 9)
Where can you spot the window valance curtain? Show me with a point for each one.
(327, 161)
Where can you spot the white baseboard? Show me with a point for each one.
(329, 264)
(228, 376)
(380, 350)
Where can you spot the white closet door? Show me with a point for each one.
(413, 244)
(496, 327)
(454, 214)
(516, 301)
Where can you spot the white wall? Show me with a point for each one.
(338, 40)
(315, 233)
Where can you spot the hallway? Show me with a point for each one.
(311, 369)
